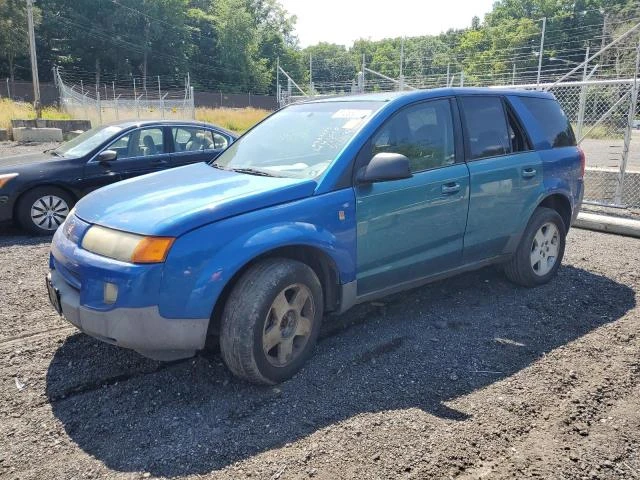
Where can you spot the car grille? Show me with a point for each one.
(72, 278)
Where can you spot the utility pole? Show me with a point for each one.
(513, 75)
(544, 28)
(363, 70)
(34, 60)
(278, 81)
(310, 74)
(401, 62)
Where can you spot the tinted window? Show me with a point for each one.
(486, 126)
(423, 133)
(551, 119)
(517, 137)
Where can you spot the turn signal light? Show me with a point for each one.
(152, 250)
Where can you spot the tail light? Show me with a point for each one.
(583, 161)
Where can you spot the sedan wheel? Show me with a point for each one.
(43, 209)
(48, 212)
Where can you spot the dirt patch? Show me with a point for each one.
(471, 377)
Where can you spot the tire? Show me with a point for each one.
(43, 209)
(265, 335)
(539, 254)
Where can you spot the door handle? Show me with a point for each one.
(450, 188)
(528, 172)
(159, 161)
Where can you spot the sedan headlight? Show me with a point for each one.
(126, 247)
(5, 177)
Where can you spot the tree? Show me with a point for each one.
(14, 44)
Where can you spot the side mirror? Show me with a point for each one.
(384, 167)
(107, 156)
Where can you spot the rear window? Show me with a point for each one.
(552, 121)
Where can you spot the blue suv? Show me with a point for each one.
(323, 205)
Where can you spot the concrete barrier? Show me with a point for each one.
(600, 185)
(4, 134)
(64, 125)
(72, 134)
(37, 135)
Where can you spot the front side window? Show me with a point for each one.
(299, 141)
(423, 133)
(486, 127)
(139, 143)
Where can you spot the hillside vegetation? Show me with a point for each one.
(233, 45)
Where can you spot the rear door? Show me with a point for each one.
(505, 176)
(192, 144)
(414, 227)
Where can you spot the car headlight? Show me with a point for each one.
(5, 177)
(125, 246)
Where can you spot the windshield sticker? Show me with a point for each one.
(351, 113)
(352, 124)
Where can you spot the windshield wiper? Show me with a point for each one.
(253, 171)
(54, 152)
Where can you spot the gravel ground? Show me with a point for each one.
(15, 148)
(470, 377)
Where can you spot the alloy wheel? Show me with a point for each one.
(288, 325)
(48, 212)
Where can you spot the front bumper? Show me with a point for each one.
(141, 329)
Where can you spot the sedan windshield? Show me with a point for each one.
(299, 141)
(87, 141)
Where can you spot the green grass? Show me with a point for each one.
(11, 110)
(237, 120)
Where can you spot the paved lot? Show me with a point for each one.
(467, 378)
(608, 153)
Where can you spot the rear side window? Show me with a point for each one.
(486, 127)
(552, 121)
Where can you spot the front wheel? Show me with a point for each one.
(43, 209)
(540, 251)
(271, 321)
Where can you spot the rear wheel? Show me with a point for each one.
(43, 209)
(540, 251)
(271, 321)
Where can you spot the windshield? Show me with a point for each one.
(299, 141)
(87, 141)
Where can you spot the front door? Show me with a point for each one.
(412, 228)
(140, 151)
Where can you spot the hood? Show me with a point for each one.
(8, 163)
(174, 201)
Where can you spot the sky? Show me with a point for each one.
(343, 21)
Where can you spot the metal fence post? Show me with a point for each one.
(193, 105)
(99, 105)
(628, 130)
(8, 90)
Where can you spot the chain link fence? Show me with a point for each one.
(101, 104)
(602, 114)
